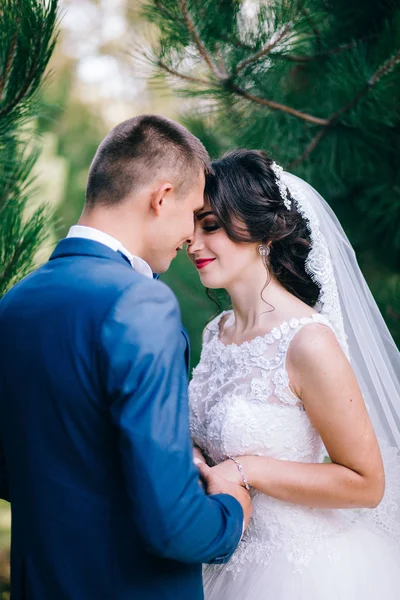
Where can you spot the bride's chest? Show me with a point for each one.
(244, 409)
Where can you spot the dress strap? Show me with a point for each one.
(212, 330)
(281, 380)
(296, 325)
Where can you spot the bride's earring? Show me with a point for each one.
(263, 250)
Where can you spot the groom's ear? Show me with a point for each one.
(160, 195)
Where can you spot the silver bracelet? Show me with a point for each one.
(241, 471)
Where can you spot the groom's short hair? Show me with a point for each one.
(139, 149)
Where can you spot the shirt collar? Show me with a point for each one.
(90, 233)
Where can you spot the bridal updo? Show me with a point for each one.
(246, 201)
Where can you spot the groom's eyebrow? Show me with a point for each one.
(203, 215)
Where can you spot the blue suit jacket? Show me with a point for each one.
(95, 452)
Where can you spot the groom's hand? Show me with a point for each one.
(198, 455)
(215, 484)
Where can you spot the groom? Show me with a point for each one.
(95, 452)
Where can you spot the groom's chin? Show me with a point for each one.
(163, 266)
(163, 269)
(165, 263)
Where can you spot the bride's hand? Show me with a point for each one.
(229, 471)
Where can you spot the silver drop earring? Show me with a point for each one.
(263, 250)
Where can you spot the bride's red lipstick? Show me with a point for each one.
(203, 262)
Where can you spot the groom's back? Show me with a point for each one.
(72, 535)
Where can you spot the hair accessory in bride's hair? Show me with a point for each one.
(277, 169)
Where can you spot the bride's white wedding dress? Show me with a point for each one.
(241, 404)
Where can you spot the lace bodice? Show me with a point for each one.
(241, 404)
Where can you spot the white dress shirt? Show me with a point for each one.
(90, 233)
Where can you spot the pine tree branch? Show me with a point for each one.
(24, 91)
(223, 77)
(311, 146)
(264, 51)
(373, 80)
(343, 47)
(314, 27)
(220, 73)
(384, 69)
(297, 58)
(41, 18)
(279, 36)
(10, 58)
(276, 105)
(182, 76)
(11, 266)
(27, 41)
(220, 60)
(331, 52)
(196, 38)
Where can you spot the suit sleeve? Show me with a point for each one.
(147, 390)
(4, 484)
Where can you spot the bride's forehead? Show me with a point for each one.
(204, 212)
(206, 205)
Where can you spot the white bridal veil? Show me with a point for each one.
(347, 302)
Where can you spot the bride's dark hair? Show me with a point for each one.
(247, 204)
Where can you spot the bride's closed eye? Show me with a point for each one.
(211, 227)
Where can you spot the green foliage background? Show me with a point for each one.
(315, 84)
(326, 59)
(221, 71)
(27, 39)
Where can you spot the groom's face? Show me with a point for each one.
(176, 225)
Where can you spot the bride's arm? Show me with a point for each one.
(322, 377)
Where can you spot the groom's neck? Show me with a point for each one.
(118, 224)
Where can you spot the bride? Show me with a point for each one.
(297, 393)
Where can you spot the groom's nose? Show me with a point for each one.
(188, 244)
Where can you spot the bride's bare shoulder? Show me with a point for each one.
(313, 342)
(315, 356)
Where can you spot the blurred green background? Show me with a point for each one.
(98, 76)
(111, 63)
